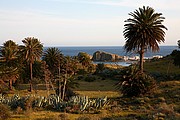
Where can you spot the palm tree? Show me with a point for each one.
(53, 58)
(9, 52)
(9, 62)
(84, 59)
(31, 51)
(144, 31)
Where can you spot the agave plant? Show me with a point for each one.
(85, 102)
(54, 102)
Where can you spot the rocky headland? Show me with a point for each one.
(105, 56)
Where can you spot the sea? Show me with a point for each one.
(119, 50)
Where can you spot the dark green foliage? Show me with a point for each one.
(110, 73)
(80, 77)
(37, 73)
(100, 67)
(164, 76)
(90, 78)
(135, 83)
(84, 59)
(176, 57)
(82, 72)
(54, 59)
(4, 112)
(179, 43)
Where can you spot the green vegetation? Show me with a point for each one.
(134, 83)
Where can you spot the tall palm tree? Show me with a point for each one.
(144, 31)
(31, 51)
(9, 62)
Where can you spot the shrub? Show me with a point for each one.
(82, 72)
(80, 77)
(4, 112)
(176, 57)
(100, 67)
(135, 83)
(90, 78)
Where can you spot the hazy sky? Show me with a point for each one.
(79, 22)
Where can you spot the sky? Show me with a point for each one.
(80, 22)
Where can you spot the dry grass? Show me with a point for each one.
(97, 85)
(99, 94)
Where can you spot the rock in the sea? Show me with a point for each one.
(105, 56)
(80, 54)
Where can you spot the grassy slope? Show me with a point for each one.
(164, 66)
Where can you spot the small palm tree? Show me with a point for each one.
(144, 31)
(84, 59)
(31, 51)
(9, 52)
(53, 58)
(9, 62)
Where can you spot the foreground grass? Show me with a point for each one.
(165, 102)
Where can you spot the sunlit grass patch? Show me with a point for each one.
(99, 94)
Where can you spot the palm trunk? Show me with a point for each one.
(141, 60)
(59, 82)
(64, 87)
(31, 77)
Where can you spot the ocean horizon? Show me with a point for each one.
(119, 50)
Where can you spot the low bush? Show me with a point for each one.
(82, 72)
(135, 83)
(90, 78)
